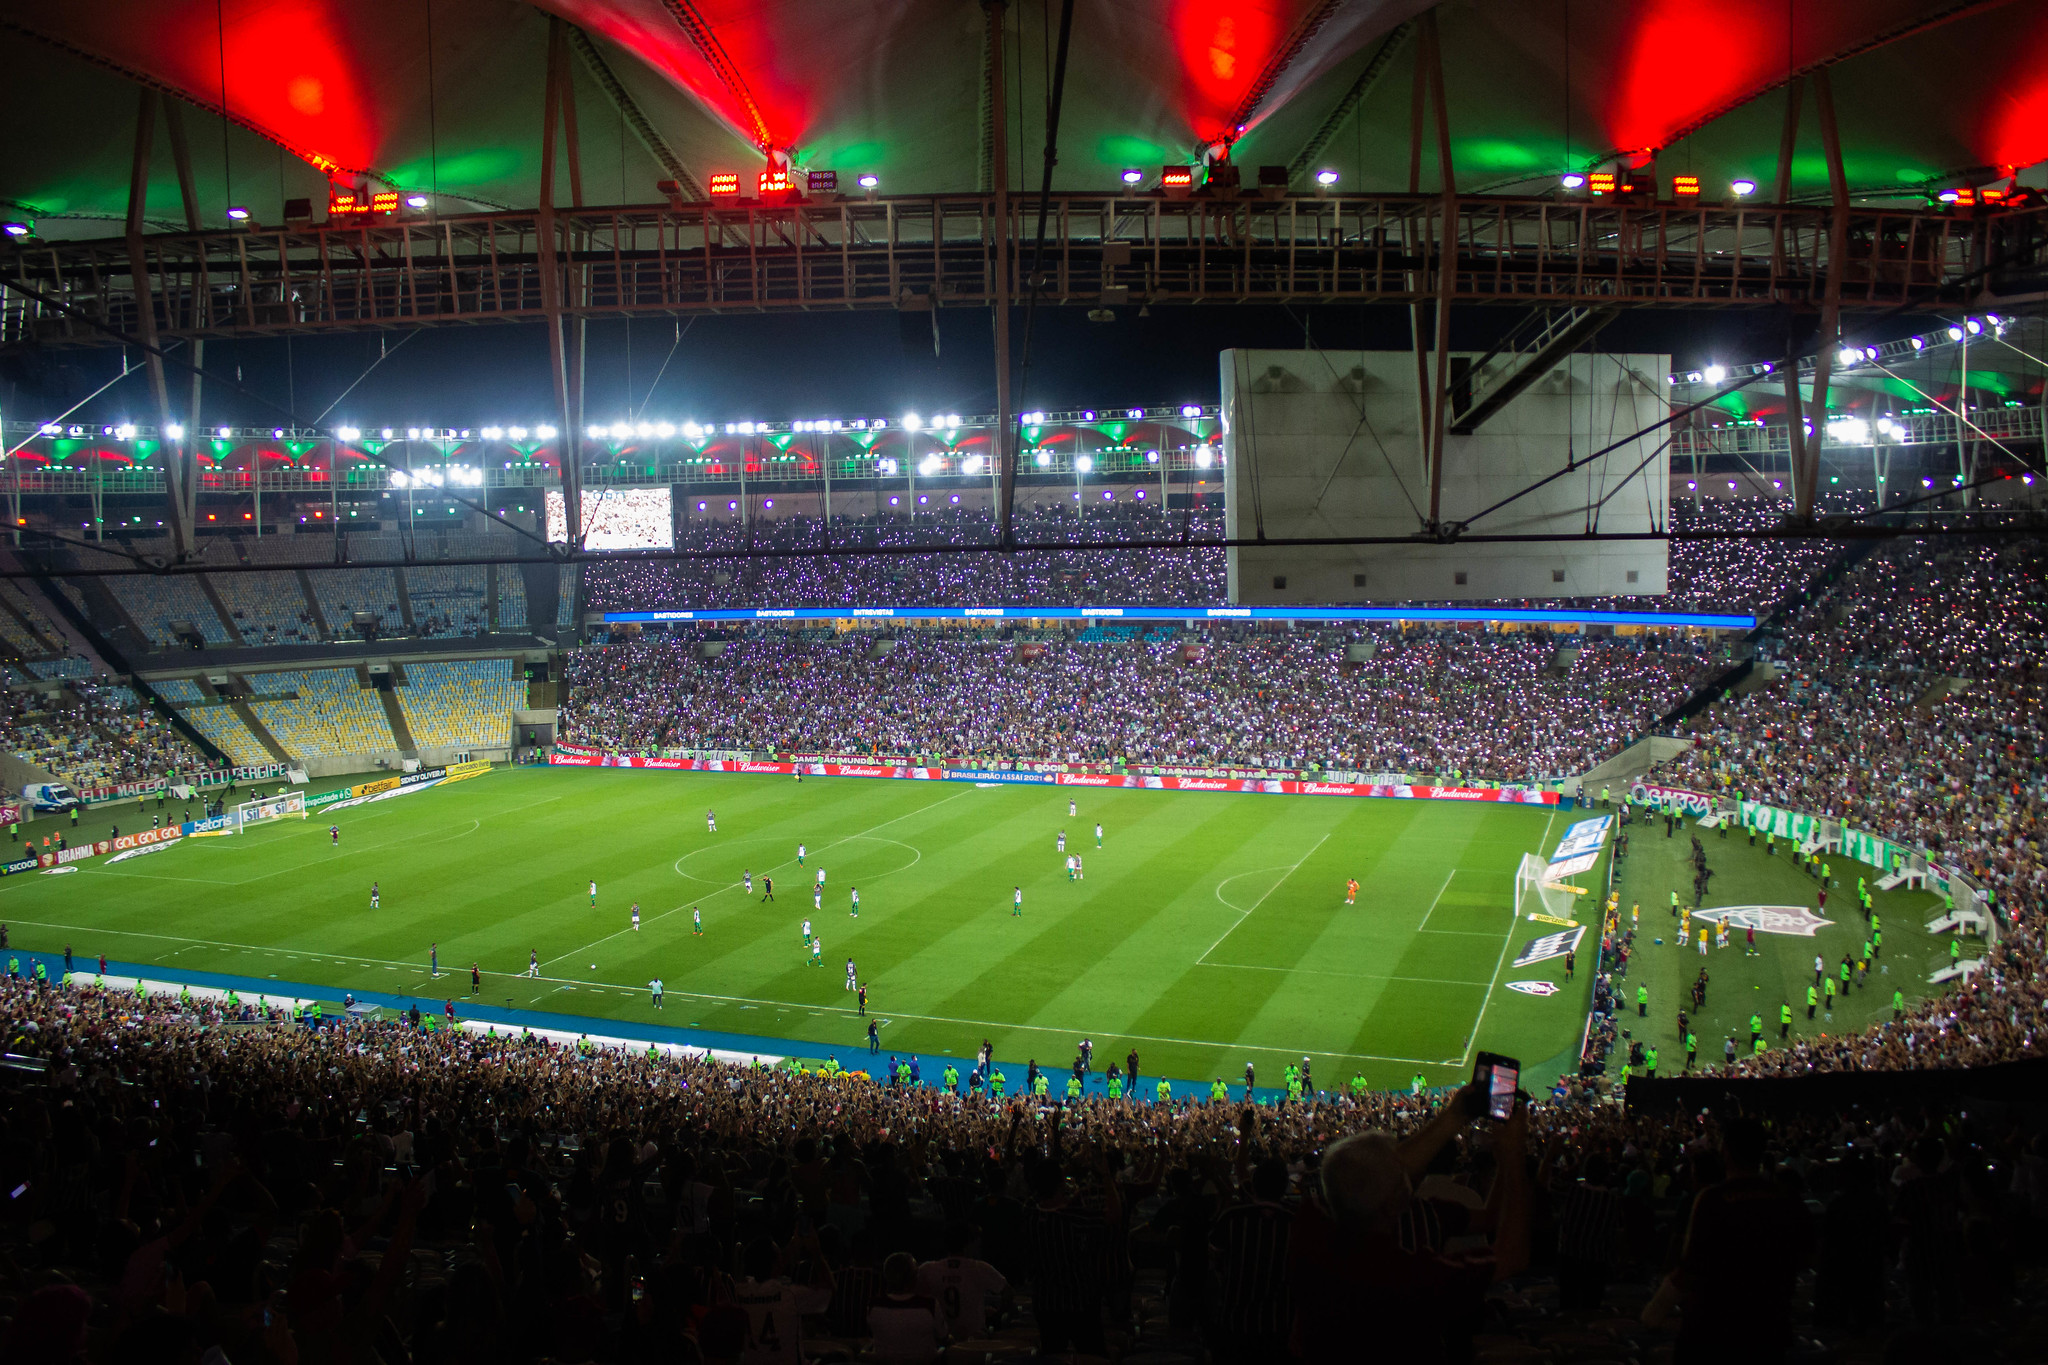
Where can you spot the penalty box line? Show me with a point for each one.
(1507, 942)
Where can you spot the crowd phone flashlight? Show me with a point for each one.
(1498, 1078)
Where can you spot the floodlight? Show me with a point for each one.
(1326, 178)
(1572, 180)
(238, 213)
(1742, 187)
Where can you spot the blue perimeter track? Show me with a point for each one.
(932, 1068)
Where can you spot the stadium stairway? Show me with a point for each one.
(227, 618)
(388, 696)
(405, 614)
(313, 604)
(247, 715)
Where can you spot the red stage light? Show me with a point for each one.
(774, 182)
(384, 201)
(1685, 186)
(1601, 182)
(724, 183)
(1177, 177)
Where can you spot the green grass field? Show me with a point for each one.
(1783, 967)
(1210, 930)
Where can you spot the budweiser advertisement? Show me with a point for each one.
(1271, 786)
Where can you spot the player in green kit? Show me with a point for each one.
(856, 902)
(817, 952)
(697, 921)
(1017, 902)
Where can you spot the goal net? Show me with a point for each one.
(1537, 894)
(267, 808)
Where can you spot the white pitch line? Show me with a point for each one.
(1507, 942)
(1246, 914)
(698, 900)
(1348, 976)
(565, 983)
(1423, 928)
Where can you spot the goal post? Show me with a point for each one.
(267, 808)
(1537, 894)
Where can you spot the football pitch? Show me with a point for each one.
(1208, 931)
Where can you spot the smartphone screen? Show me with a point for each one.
(1498, 1078)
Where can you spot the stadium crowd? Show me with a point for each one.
(1505, 706)
(193, 1182)
(93, 733)
(1704, 575)
(1187, 577)
(1908, 702)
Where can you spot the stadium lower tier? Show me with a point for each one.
(1344, 964)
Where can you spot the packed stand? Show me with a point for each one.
(1508, 707)
(1704, 575)
(1181, 577)
(393, 1191)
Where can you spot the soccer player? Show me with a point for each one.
(697, 921)
(851, 974)
(1017, 902)
(334, 835)
(860, 997)
(818, 900)
(476, 979)
(654, 990)
(1063, 842)
(1070, 867)
(799, 855)
(1098, 834)
(593, 894)
(747, 879)
(1072, 809)
(817, 952)
(1351, 891)
(856, 902)
(373, 895)
(767, 888)
(807, 933)
(711, 821)
(1080, 869)
(533, 962)
(636, 917)
(433, 954)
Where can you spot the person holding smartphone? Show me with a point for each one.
(1347, 1263)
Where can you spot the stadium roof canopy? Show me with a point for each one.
(446, 96)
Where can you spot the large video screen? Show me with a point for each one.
(618, 519)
